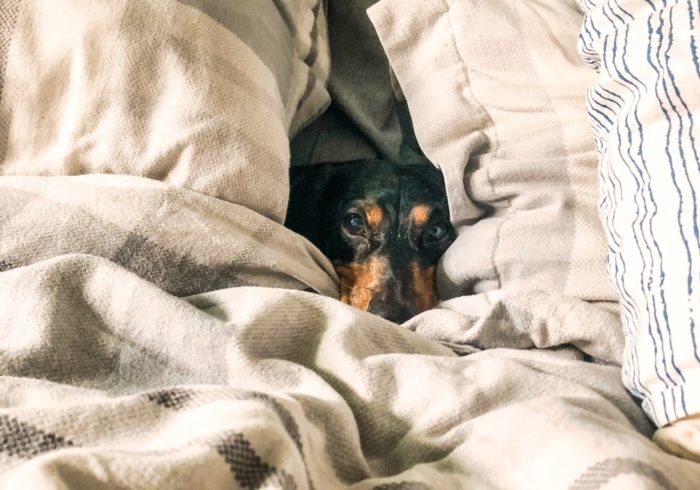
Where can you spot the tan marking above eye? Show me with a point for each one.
(375, 215)
(359, 282)
(420, 214)
(424, 296)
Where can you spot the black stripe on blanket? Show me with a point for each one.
(24, 440)
(177, 274)
(247, 467)
(603, 472)
(406, 485)
(175, 398)
(179, 398)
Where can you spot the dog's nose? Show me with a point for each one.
(392, 311)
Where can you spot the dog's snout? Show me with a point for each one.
(391, 310)
(395, 286)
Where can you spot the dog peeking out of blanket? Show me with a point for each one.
(384, 226)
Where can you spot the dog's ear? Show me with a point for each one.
(306, 201)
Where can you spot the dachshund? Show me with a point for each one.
(383, 226)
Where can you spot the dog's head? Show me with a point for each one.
(383, 226)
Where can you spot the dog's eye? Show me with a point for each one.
(353, 224)
(437, 232)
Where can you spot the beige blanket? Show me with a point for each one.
(161, 329)
(110, 379)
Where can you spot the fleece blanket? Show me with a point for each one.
(114, 375)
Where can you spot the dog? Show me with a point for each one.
(383, 225)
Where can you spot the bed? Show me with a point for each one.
(160, 328)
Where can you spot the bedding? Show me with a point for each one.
(169, 333)
(365, 119)
(496, 92)
(643, 107)
(163, 90)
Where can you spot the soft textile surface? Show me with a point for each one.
(644, 108)
(109, 381)
(496, 92)
(365, 120)
(180, 241)
(198, 93)
(152, 336)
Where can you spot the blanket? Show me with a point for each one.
(115, 376)
(159, 328)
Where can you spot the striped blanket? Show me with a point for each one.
(159, 328)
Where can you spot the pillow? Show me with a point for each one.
(496, 92)
(200, 94)
(644, 107)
